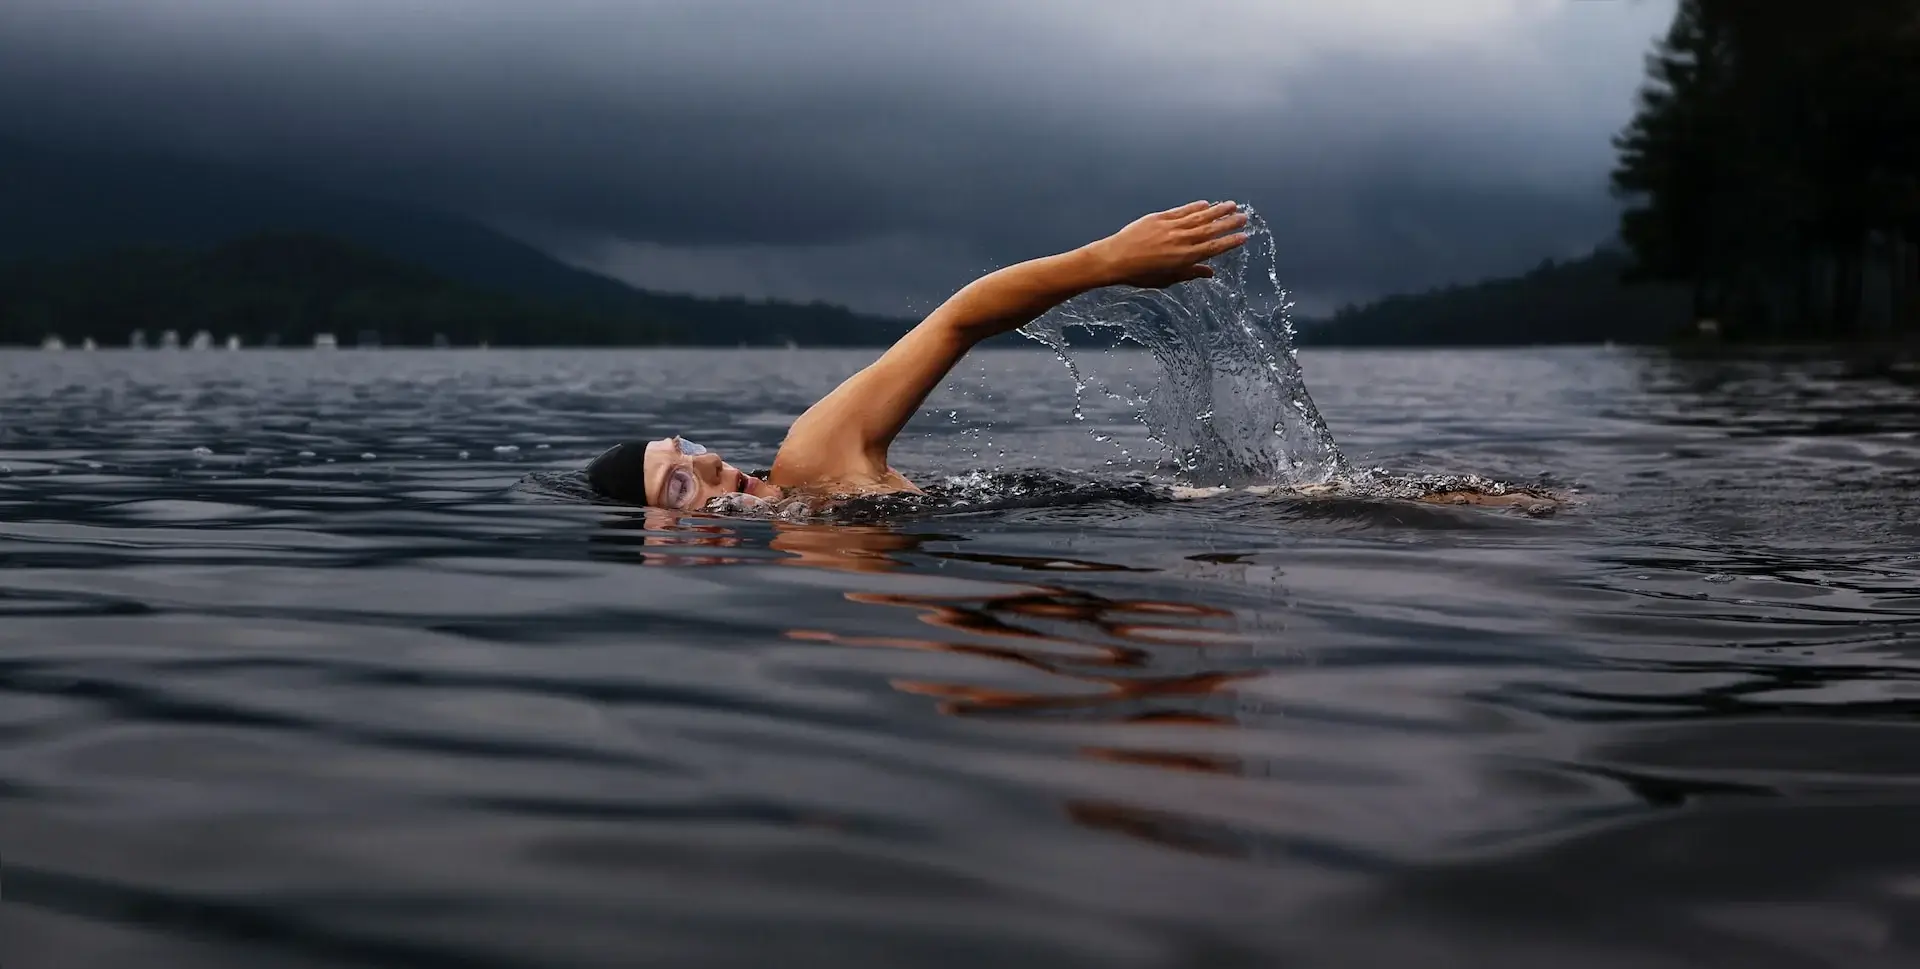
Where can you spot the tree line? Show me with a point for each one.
(1573, 301)
(1773, 167)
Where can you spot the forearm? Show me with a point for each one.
(1010, 298)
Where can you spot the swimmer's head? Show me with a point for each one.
(670, 473)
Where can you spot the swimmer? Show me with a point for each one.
(839, 445)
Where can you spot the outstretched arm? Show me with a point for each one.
(846, 434)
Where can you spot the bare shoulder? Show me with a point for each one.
(818, 451)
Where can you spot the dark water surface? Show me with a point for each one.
(344, 689)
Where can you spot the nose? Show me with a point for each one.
(707, 466)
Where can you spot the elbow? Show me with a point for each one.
(954, 334)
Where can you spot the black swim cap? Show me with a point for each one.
(620, 473)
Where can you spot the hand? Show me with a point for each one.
(1170, 247)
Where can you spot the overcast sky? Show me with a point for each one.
(881, 152)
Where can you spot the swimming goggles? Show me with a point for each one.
(678, 486)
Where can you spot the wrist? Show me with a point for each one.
(1097, 265)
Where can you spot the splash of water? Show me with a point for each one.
(1229, 403)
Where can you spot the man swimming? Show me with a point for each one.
(839, 446)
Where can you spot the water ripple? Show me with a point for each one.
(320, 659)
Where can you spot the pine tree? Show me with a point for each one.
(1774, 155)
(1669, 167)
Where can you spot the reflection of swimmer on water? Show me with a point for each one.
(839, 445)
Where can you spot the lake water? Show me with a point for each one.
(306, 660)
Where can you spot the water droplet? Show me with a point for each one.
(505, 449)
(368, 456)
(1719, 578)
(541, 447)
(201, 452)
(306, 454)
(465, 455)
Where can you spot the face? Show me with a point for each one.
(684, 476)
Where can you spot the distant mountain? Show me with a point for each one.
(285, 289)
(58, 207)
(1581, 301)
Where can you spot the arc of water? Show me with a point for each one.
(1229, 401)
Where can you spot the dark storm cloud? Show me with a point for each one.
(879, 151)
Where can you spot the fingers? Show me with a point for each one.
(1226, 243)
(1219, 226)
(1206, 213)
(1188, 209)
